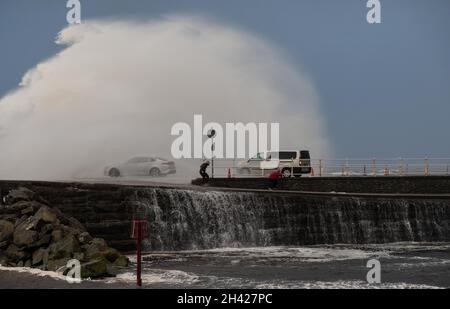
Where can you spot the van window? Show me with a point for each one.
(304, 154)
(288, 155)
(259, 156)
(282, 155)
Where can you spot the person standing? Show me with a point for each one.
(203, 168)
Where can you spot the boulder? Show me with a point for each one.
(44, 240)
(15, 254)
(57, 264)
(27, 211)
(41, 218)
(20, 221)
(45, 214)
(38, 256)
(57, 235)
(111, 255)
(36, 235)
(121, 261)
(95, 247)
(22, 194)
(3, 244)
(6, 230)
(48, 228)
(26, 207)
(19, 194)
(23, 237)
(94, 269)
(79, 256)
(84, 238)
(64, 248)
(69, 221)
(3, 260)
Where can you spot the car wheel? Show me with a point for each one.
(114, 172)
(286, 172)
(155, 172)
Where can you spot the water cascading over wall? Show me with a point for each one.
(189, 219)
(198, 218)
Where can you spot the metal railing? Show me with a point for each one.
(425, 166)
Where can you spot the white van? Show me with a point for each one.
(291, 163)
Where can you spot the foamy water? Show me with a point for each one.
(404, 266)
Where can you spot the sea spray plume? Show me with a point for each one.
(118, 87)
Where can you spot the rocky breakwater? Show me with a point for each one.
(35, 234)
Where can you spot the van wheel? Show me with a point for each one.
(286, 172)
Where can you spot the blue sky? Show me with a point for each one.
(384, 89)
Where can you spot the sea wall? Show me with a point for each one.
(200, 218)
(380, 184)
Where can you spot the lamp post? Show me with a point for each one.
(211, 135)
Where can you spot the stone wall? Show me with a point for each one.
(382, 184)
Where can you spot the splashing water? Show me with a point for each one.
(118, 87)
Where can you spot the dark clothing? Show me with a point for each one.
(273, 183)
(203, 172)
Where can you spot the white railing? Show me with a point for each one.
(425, 166)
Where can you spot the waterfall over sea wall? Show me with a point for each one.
(188, 219)
(202, 218)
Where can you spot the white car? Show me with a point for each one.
(141, 166)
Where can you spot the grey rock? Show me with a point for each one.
(43, 240)
(94, 269)
(48, 228)
(57, 264)
(23, 237)
(121, 261)
(3, 244)
(15, 254)
(79, 256)
(85, 238)
(64, 248)
(23, 194)
(96, 246)
(27, 211)
(19, 194)
(45, 214)
(6, 230)
(38, 256)
(57, 235)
